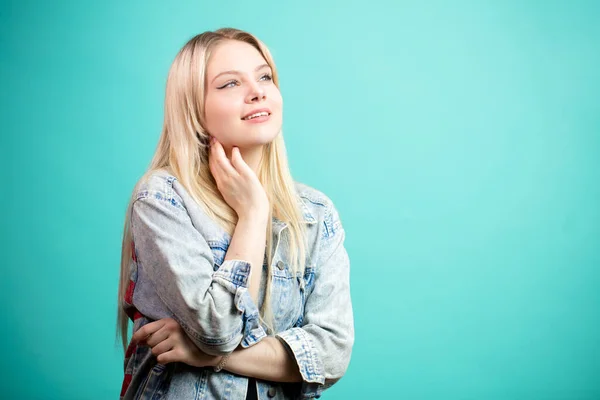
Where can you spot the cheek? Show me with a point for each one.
(277, 99)
(220, 115)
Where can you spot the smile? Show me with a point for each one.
(256, 115)
(257, 118)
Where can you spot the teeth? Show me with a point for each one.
(260, 114)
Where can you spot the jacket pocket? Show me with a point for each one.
(305, 283)
(287, 296)
(156, 383)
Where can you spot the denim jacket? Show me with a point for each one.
(177, 270)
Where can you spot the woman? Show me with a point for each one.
(234, 275)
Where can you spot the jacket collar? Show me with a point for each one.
(308, 218)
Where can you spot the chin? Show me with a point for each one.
(258, 138)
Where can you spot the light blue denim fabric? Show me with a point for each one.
(178, 271)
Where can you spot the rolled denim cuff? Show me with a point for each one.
(252, 330)
(233, 274)
(307, 358)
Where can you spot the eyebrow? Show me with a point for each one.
(235, 72)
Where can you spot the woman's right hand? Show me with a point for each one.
(237, 182)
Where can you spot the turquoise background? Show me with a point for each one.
(459, 140)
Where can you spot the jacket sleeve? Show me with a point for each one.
(214, 308)
(323, 344)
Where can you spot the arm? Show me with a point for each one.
(214, 308)
(318, 353)
(248, 243)
(322, 346)
(244, 193)
(267, 360)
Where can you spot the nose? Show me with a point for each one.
(255, 93)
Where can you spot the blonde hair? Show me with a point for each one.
(183, 150)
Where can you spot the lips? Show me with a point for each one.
(257, 113)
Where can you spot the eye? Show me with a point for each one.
(228, 85)
(266, 77)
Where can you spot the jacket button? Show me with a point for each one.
(272, 392)
(280, 265)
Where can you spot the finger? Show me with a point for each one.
(213, 163)
(158, 337)
(168, 357)
(238, 162)
(147, 330)
(222, 160)
(163, 347)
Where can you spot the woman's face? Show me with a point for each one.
(238, 85)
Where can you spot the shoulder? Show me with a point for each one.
(159, 184)
(319, 207)
(312, 195)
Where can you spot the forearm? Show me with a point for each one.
(267, 360)
(248, 244)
